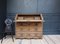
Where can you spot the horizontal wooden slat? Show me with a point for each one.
(29, 21)
(29, 35)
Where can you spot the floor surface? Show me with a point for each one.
(47, 39)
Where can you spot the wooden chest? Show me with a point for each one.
(28, 26)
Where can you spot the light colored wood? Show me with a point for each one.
(26, 24)
(58, 36)
(25, 41)
(28, 21)
(41, 16)
(47, 39)
(36, 41)
(43, 41)
(54, 38)
(16, 16)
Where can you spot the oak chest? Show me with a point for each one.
(28, 26)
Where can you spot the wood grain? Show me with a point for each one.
(28, 26)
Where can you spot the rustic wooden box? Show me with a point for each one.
(29, 26)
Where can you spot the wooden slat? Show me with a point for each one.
(5, 41)
(43, 41)
(25, 41)
(42, 18)
(28, 21)
(18, 41)
(58, 37)
(36, 41)
(54, 38)
(48, 40)
(10, 41)
(16, 16)
(29, 14)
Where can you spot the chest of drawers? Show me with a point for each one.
(28, 26)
